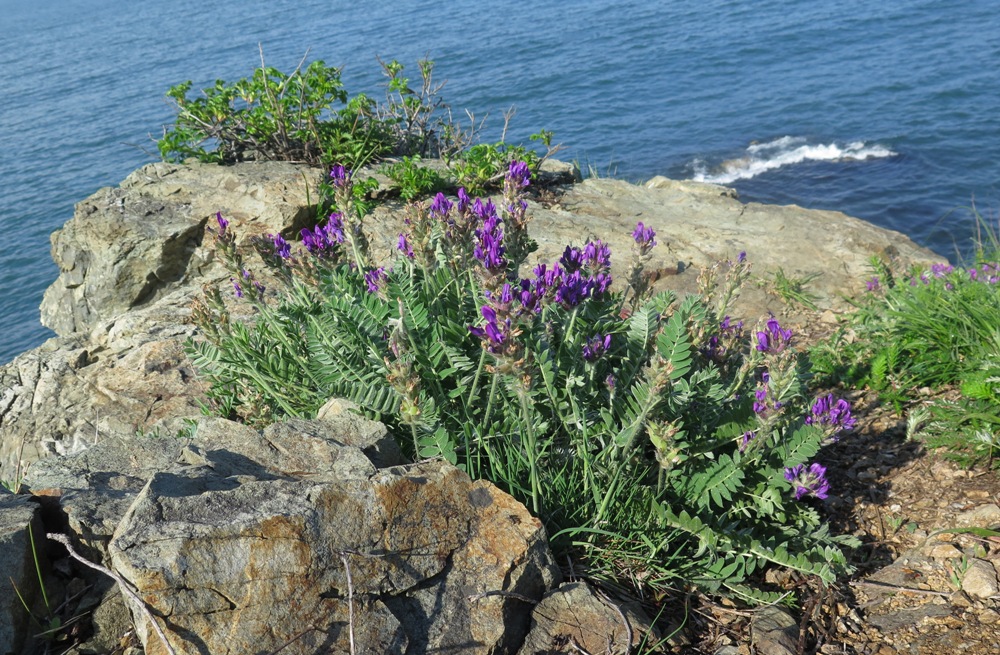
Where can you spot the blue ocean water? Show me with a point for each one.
(886, 111)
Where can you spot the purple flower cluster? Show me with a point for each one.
(720, 344)
(281, 247)
(773, 339)
(644, 238)
(494, 333)
(595, 347)
(986, 273)
(375, 278)
(488, 248)
(808, 482)
(518, 174)
(223, 224)
(404, 247)
(340, 176)
(246, 282)
(763, 403)
(834, 415)
(323, 240)
(873, 284)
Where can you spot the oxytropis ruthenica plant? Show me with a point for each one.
(661, 441)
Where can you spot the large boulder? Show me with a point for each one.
(241, 540)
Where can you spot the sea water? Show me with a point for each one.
(886, 111)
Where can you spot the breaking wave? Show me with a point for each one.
(762, 157)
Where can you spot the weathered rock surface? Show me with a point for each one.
(237, 539)
(18, 516)
(572, 619)
(127, 246)
(773, 631)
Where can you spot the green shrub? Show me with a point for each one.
(274, 116)
(415, 181)
(659, 441)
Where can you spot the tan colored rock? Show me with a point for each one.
(942, 551)
(980, 580)
(573, 619)
(984, 516)
(128, 245)
(246, 567)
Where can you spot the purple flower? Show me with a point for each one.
(873, 284)
(760, 404)
(643, 237)
(489, 249)
(281, 247)
(519, 174)
(491, 334)
(834, 415)
(610, 382)
(237, 289)
(223, 224)
(463, 200)
(811, 482)
(374, 278)
(742, 257)
(340, 176)
(597, 255)
(323, 240)
(746, 438)
(595, 347)
(941, 270)
(441, 206)
(773, 339)
(403, 245)
(572, 259)
(335, 227)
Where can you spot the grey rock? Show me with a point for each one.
(773, 631)
(129, 375)
(94, 487)
(980, 580)
(18, 516)
(907, 618)
(126, 246)
(234, 563)
(573, 619)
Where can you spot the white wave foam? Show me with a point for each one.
(762, 157)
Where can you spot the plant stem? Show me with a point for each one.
(531, 449)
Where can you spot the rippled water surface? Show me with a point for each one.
(887, 111)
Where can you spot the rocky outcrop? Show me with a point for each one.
(127, 246)
(133, 258)
(221, 529)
